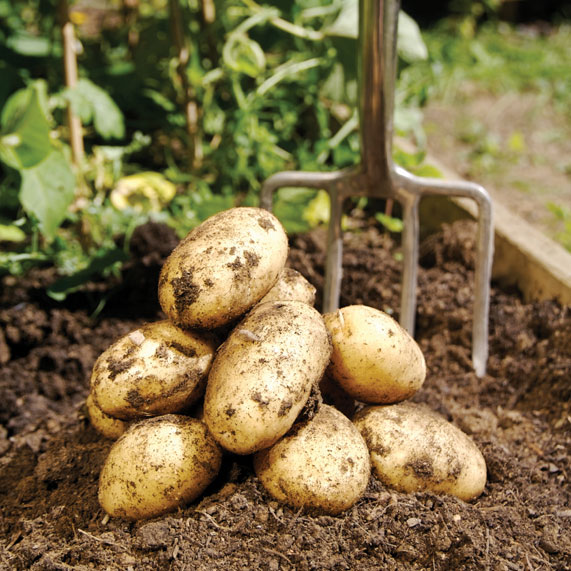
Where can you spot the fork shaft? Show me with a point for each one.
(377, 65)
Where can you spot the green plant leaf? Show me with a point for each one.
(390, 223)
(318, 210)
(346, 25)
(290, 205)
(47, 190)
(411, 46)
(68, 284)
(428, 171)
(91, 102)
(28, 45)
(25, 136)
(11, 233)
(244, 55)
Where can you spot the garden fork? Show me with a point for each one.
(378, 176)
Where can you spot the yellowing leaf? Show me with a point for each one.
(143, 192)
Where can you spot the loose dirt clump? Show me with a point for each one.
(518, 414)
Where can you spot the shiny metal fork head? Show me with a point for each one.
(379, 177)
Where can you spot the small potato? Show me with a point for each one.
(222, 268)
(156, 369)
(158, 465)
(415, 449)
(322, 464)
(374, 359)
(106, 425)
(263, 374)
(291, 285)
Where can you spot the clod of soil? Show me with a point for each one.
(519, 414)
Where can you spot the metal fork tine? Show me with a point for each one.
(333, 262)
(484, 251)
(410, 239)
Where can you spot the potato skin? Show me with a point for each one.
(415, 449)
(106, 425)
(263, 374)
(291, 285)
(374, 359)
(158, 465)
(156, 369)
(323, 464)
(222, 268)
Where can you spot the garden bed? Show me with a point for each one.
(519, 415)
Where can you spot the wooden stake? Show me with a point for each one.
(190, 106)
(70, 67)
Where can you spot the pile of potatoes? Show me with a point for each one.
(246, 365)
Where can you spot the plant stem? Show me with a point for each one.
(208, 11)
(190, 107)
(70, 67)
(283, 71)
(284, 25)
(130, 9)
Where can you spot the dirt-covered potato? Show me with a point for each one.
(374, 359)
(415, 449)
(263, 374)
(106, 425)
(223, 267)
(291, 285)
(322, 464)
(158, 465)
(156, 369)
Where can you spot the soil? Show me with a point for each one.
(518, 414)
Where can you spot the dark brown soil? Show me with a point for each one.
(519, 415)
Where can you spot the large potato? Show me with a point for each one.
(291, 285)
(158, 465)
(374, 359)
(156, 369)
(322, 464)
(223, 267)
(415, 449)
(263, 374)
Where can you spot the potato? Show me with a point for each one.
(263, 374)
(222, 268)
(291, 285)
(415, 449)
(156, 369)
(106, 425)
(374, 359)
(158, 465)
(322, 464)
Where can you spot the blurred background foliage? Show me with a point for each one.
(184, 107)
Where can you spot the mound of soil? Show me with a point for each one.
(518, 414)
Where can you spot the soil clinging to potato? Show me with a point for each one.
(518, 414)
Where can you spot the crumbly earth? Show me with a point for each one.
(518, 414)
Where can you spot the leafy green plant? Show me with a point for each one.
(174, 130)
(47, 182)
